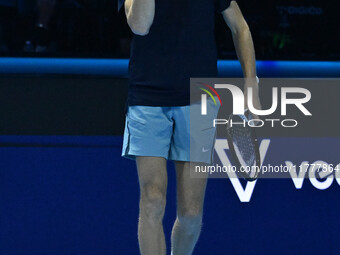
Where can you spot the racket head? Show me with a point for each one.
(243, 146)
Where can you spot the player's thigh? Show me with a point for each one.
(190, 191)
(152, 175)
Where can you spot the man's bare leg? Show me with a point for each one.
(190, 198)
(153, 181)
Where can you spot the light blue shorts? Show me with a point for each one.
(165, 132)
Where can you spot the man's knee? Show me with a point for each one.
(152, 203)
(190, 218)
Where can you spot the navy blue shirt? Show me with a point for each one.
(180, 44)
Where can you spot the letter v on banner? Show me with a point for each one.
(245, 194)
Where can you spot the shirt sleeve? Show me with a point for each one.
(221, 5)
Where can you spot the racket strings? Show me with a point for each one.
(244, 148)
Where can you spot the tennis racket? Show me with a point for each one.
(243, 146)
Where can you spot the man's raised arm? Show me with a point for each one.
(139, 15)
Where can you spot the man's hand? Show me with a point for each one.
(254, 85)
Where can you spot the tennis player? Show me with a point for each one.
(173, 41)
